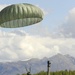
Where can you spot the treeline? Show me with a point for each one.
(55, 73)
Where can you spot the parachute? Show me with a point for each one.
(20, 15)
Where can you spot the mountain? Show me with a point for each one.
(71, 58)
(62, 62)
(58, 62)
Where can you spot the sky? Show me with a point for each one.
(54, 34)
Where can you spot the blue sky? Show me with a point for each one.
(55, 34)
(57, 10)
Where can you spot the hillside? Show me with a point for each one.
(58, 62)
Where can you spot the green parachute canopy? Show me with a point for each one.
(20, 15)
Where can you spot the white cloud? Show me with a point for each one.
(22, 47)
(19, 45)
(68, 28)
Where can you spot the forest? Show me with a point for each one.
(55, 73)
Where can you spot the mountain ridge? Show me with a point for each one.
(58, 62)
